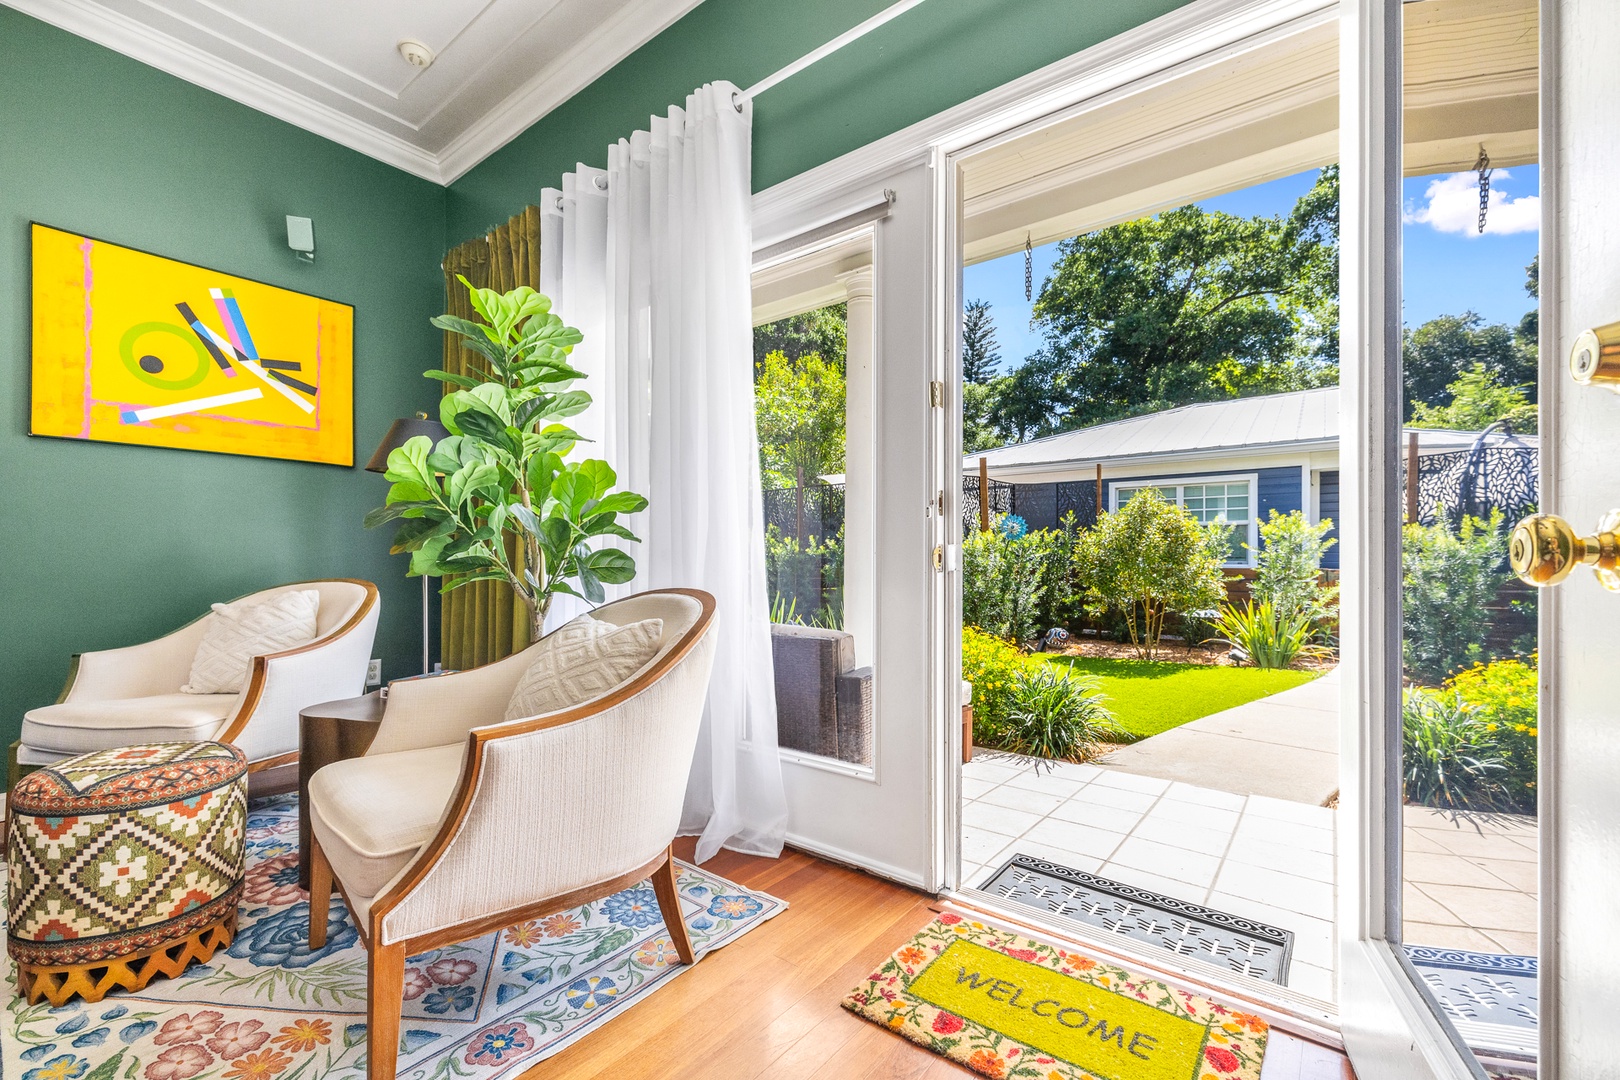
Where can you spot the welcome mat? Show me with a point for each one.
(269, 1008)
(1242, 945)
(1010, 1007)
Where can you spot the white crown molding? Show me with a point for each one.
(632, 26)
(610, 42)
(138, 41)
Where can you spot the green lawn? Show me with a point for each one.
(1147, 697)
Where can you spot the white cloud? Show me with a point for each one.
(1451, 205)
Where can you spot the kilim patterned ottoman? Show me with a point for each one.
(124, 865)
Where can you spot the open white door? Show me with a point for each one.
(1391, 1028)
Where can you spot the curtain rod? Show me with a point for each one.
(893, 11)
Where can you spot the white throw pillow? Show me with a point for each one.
(238, 632)
(581, 660)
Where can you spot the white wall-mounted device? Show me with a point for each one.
(301, 237)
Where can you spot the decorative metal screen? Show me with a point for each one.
(1476, 481)
(812, 510)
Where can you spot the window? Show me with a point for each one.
(1222, 499)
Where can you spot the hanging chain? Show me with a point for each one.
(1483, 167)
(1029, 270)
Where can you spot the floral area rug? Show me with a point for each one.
(270, 1009)
(1009, 1006)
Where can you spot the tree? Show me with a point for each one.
(980, 356)
(822, 331)
(1029, 402)
(1478, 400)
(1193, 305)
(799, 406)
(977, 431)
(1148, 559)
(1438, 351)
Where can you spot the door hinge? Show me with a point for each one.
(936, 394)
(939, 556)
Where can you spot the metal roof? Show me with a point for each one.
(1302, 418)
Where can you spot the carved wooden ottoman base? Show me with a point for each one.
(56, 984)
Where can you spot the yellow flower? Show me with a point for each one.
(1532, 733)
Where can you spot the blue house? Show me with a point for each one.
(1235, 460)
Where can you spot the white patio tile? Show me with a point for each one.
(1071, 770)
(1166, 861)
(982, 847)
(1209, 818)
(1050, 782)
(1189, 837)
(1099, 794)
(999, 819)
(995, 770)
(1082, 811)
(1278, 889)
(1287, 833)
(1150, 785)
(1203, 796)
(1066, 836)
(1282, 810)
(1039, 803)
(973, 787)
(1301, 862)
(1310, 979)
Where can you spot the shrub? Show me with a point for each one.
(1447, 759)
(1056, 714)
(1005, 580)
(1148, 559)
(1447, 581)
(1272, 636)
(1288, 567)
(991, 665)
(1503, 696)
(806, 582)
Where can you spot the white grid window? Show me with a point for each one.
(1226, 500)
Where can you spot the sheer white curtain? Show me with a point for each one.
(650, 259)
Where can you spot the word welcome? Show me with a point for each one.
(1141, 1042)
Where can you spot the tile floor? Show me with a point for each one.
(1246, 854)
(1470, 881)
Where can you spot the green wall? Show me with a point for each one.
(106, 545)
(936, 55)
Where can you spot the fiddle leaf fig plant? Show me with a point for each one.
(495, 500)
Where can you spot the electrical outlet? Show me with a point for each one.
(374, 671)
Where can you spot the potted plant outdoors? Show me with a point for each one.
(495, 501)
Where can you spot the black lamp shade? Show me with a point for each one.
(401, 431)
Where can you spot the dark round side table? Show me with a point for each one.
(331, 731)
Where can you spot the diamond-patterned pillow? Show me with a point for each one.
(238, 632)
(581, 660)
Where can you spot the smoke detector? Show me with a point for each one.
(415, 53)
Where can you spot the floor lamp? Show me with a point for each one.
(401, 431)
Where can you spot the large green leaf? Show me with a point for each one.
(542, 470)
(525, 517)
(600, 474)
(408, 463)
(477, 480)
(409, 491)
(573, 489)
(448, 377)
(621, 502)
(611, 565)
(568, 403)
(413, 534)
(475, 336)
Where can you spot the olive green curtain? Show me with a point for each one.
(483, 622)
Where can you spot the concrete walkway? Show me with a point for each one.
(1285, 746)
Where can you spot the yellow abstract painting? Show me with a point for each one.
(131, 347)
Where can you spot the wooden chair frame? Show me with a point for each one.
(385, 979)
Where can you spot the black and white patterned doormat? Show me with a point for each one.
(1247, 947)
(1490, 997)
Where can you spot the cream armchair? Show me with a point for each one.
(119, 697)
(457, 823)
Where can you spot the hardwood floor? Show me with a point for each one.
(767, 1004)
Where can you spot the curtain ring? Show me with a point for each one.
(559, 204)
(736, 100)
(600, 183)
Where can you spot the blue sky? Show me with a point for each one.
(1448, 267)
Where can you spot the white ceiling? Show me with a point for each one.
(332, 66)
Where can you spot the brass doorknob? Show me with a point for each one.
(1545, 549)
